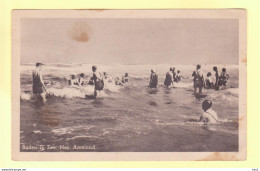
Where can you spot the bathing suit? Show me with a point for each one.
(223, 79)
(99, 83)
(37, 84)
(168, 79)
(198, 79)
(153, 80)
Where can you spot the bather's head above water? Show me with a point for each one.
(206, 104)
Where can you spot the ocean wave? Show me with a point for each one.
(73, 91)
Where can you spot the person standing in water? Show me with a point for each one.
(198, 81)
(223, 78)
(39, 88)
(81, 79)
(169, 78)
(178, 77)
(98, 81)
(173, 74)
(216, 75)
(208, 81)
(153, 79)
(125, 78)
(73, 80)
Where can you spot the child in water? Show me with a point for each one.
(223, 78)
(208, 81)
(209, 115)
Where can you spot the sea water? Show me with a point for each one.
(129, 118)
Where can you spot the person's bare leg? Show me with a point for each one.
(43, 96)
(95, 93)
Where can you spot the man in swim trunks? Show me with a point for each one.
(198, 80)
(39, 88)
(209, 115)
(153, 79)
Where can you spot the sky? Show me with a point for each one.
(130, 41)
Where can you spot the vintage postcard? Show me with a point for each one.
(129, 85)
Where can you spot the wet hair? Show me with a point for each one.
(126, 74)
(38, 64)
(208, 74)
(215, 68)
(206, 104)
(94, 68)
(223, 69)
(198, 66)
(82, 74)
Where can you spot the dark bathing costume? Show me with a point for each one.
(153, 80)
(198, 82)
(168, 79)
(37, 84)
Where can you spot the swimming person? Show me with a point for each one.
(223, 78)
(208, 81)
(209, 115)
(216, 75)
(98, 81)
(73, 80)
(169, 78)
(198, 80)
(178, 77)
(125, 78)
(153, 79)
(81, 79)
(39, 88)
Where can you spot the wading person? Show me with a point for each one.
(39, 88)
(153, 79)
(216, 75)
(208, 81)
(98, 81)
(125, 78)
(81, 79)
(198, 80)
(73, 80)
(169, 78)
(223, 78)
(178, 77)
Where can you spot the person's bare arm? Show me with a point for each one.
(42, 81)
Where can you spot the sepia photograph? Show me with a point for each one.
(158, 83)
